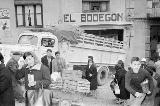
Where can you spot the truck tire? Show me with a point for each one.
(102, 75)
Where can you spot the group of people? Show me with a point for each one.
(35, 75)
(25, 81)
(139, 85)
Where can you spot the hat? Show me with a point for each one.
(57, 52)
(91, 57)
(143, 59)
(49, 50)
(16, 53)
(90, 60)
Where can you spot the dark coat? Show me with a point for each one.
(41, 76)
(92, 79)
(6, 90)
(120, 78)
(157, 95)
(44, 60)
(12, 66)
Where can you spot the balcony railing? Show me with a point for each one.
(100, 41)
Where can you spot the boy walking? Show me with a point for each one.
(134, 79)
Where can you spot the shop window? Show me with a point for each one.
(29, 15)
(98, 6)
(47, 42)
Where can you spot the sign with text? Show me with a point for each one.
(4, 19)
(93, 17)
(4, 13)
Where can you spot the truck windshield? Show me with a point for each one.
(47, 42)
(28, 39)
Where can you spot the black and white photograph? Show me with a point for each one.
(79, 52)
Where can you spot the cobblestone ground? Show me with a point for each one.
(104, 97)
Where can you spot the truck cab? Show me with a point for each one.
(37, 42)
(41, 40)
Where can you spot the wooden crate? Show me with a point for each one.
(55, 102)
(76, 103)
(67, 74)
(57, 84)
(65, 103)
(83, 85)
(83, 90)
(70, 85)
(72, 74)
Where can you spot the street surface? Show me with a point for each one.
(104, 97)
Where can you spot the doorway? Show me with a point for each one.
(154, 41)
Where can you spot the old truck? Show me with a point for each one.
(106, 52)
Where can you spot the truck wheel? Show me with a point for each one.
(102, 75)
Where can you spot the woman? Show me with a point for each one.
(58, 64)
(120, 79)
(36, 76)
(6, 90)
(91, 76)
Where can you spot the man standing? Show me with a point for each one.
(6, 90)
(47, 60)
(58, 63)
(134, 82)
(12, 66)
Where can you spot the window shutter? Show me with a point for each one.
(19, 16)
(27, 2)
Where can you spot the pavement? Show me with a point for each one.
(104, 97)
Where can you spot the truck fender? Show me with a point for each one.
(102, 74)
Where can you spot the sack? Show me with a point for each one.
(112, 84)
(55, 76)
(115, 86)
(116, 89)
(145, 86)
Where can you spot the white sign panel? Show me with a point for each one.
(4, 19)
(93, 18)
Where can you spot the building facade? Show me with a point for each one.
(145, 16)
(94, 16)
(19, 15)
(104, 18)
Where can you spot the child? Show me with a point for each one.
(133, 81)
